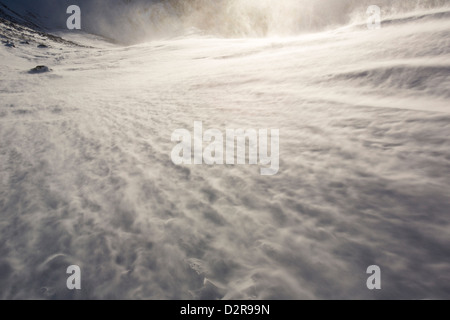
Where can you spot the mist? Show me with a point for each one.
(133, 21)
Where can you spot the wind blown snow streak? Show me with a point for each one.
(86, 176)
(131, 21)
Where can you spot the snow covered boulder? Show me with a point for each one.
(39, 69)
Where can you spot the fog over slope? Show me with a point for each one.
(129, 21)
(86, 176)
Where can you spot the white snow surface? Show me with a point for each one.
(86, 176)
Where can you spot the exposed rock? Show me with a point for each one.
(40, 69)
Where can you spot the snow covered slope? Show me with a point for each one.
(86, 176)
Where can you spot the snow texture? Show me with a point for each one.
(86, 176)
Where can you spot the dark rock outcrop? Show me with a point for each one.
(39, 69)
